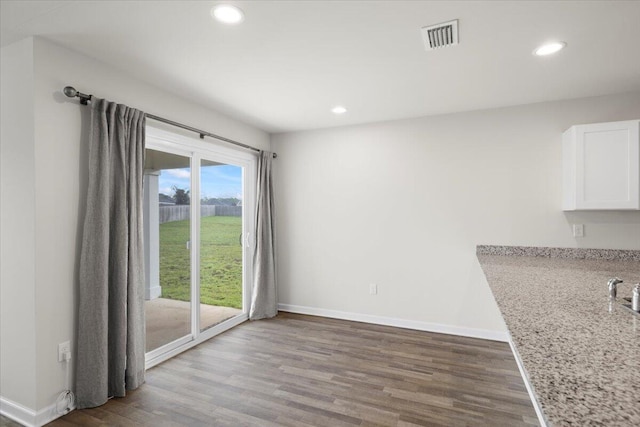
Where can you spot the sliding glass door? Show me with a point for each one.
(167, 235)
(198, 201)
(221, 242)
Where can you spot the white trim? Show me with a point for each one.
(249, 212)
(28, 417)
(17, 412)
(398, 323)
(194, 233)
(528, 385)
(164, 139)
(170, 346)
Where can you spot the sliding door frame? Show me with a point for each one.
(197, 150)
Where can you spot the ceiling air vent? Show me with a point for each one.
(441, 35)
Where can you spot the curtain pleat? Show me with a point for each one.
(264, 300)
(110, 342)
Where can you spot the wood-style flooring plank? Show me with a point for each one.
(297, 370)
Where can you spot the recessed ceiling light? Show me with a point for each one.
(338, 109)
(549, 48)
(227, 14)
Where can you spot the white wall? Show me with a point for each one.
(403, 204)
(59, 184)
(17, 227)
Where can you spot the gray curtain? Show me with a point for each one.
(264, 301)
(110, 346)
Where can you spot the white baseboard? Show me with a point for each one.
(17, 412)
(26, 416)
(398, 323)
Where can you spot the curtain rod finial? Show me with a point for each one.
(70, 91)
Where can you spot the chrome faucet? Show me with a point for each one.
(613, 287)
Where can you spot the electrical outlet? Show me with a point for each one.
(578, 230)
(373, 289)
(64, 348)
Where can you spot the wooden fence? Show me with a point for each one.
(181, 212)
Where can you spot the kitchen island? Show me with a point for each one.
(580, 354)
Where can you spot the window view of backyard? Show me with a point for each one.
(168, 244)
(220, 266)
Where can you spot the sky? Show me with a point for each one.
(216, 181)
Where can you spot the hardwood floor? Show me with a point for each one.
(309, 371)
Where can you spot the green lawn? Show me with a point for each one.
(220, 261)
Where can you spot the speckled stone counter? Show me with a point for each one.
(581, 357)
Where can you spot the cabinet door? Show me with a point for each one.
(607, 166)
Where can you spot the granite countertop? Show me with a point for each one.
(581, 357)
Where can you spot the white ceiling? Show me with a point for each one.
(289, 62)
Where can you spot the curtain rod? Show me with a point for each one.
(71, 92)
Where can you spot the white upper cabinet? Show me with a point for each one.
(601, 166)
